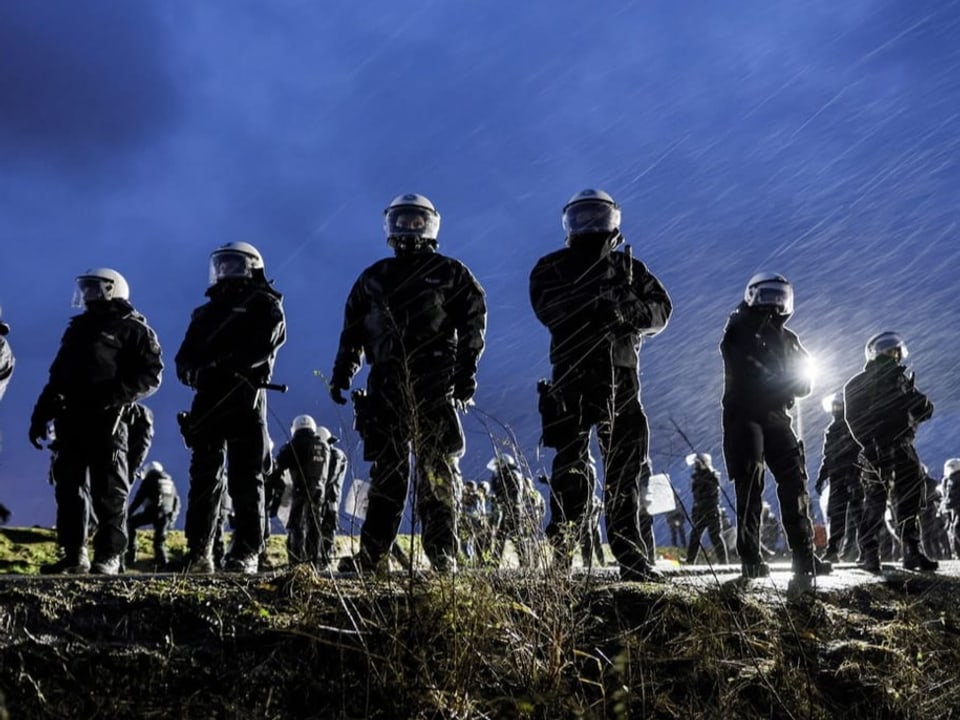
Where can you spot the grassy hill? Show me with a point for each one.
(290, 643)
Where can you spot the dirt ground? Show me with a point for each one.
(294, 644)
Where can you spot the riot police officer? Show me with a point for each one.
(333, 484)
(705, 515)
(227, 357)
(6, 370)
(765, 371)
(840, 468)
(160, 500)
(883, 409)
(306, 457)
(598, 304)
(6, 359)
(418, 319)
(109, 358)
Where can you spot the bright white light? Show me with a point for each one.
(827, 402)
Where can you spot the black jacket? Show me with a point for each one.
(882, 404)
(159, 493)
(705, 488)
(840, 452)
(307, 457)
(764, 364)
(597, 304)
(423, 311)
(236, 334)
(109, 357)
(6, 364)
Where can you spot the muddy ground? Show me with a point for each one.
(292, 644)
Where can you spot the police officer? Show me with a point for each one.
(951, 502)
(598, 303)
(6, 370)
(883, 408)
(306, 457)
(418, 318)
(765, 371)
(6, 358)
(160, 500)
(333, 484)
(705, 488)
(509, 518)
(109, 358)
(840, 468)
(227, 357)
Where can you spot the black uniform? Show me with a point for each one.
(509, 519)
(598, 304)
(883, 408)
(6, 370)
(161, 505)
(6, 359)
(307, 458)
(763, 375)
(330, 516)
(840, 467)
(705, 487)
(419, 320)
(108, 359)
(951, 508)
(226, 356)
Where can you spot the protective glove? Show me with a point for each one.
(464, 388)
(607, 313)
(38, 434)
(336, 394)
(4, 514)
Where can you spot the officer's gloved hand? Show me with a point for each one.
(464, 388)
(38, 433)
(336, 394)
(607, 312)
(4, 514)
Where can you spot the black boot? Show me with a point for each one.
(806, 563)
(914, 559)
(757, 569)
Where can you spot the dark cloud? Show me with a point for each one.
(81, 78)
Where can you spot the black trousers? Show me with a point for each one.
(89, 471)
(230, 453)
(752, 441)
(411, 416)
(612, 405)
(899, 478)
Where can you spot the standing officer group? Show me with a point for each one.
(418, 320)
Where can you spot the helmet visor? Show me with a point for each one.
(590, 216)
(774, 295)
(91, 289)
(230, 264)
(411, 222)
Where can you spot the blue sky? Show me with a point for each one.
(816, 139)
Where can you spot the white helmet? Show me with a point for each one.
(769, 290)
(951, 466)
(590, 211)
(883, 344)
(832, 403)
(410, 216)
(234, 260)
(303, 422)
(152, 466)
(700, 460)
(100, 284)
(501, 461)
(325, 435)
